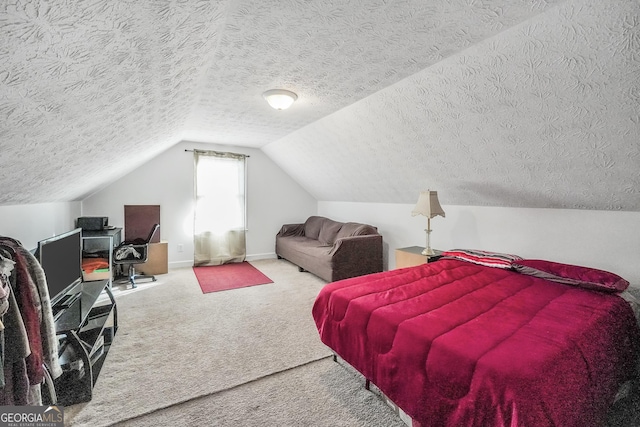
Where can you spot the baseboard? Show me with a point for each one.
(180, 264)
(256, 257)
(253, 257)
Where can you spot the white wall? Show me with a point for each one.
(31, 223)
(601, 239)
(273, 199)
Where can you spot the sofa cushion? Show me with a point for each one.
(329, 231)
(309, 249)
(355, 229)
(312, 226)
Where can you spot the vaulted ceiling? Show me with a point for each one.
(531, 103)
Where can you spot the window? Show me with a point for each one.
(220, 214)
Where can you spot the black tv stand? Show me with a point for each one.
(85, 326)
(66, 302)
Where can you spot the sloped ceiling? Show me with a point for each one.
(495, 102)
(544, 114)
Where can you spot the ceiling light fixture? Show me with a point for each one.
(280, 99)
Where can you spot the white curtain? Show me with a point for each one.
(220, 213)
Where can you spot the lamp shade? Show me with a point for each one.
(280, 99)
(428, 205)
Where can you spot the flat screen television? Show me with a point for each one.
(61, 259)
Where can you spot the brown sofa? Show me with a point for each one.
(329, 249)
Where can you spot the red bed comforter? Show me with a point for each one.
(457, 344)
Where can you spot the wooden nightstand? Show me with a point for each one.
(412, 256)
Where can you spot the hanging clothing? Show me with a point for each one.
(6, 268)
(24, 292)
(29, 342)
(16, 351)
(43, 305)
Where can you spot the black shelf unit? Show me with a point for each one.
(101, 243)
(85, 331)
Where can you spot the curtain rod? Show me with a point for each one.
(221, 152)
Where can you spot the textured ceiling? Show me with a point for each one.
(545, 114)
(494, 102)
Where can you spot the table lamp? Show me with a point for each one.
(429, 206)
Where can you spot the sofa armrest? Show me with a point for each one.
(359, 244)
(356, 255)
(291, 230)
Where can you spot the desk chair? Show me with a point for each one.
(130, 253)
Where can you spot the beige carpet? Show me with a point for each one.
(320, 393)
(175, 344)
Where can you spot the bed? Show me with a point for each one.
(483, 339)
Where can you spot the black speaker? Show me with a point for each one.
(92, 223)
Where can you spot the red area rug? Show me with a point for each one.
(223, 277)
